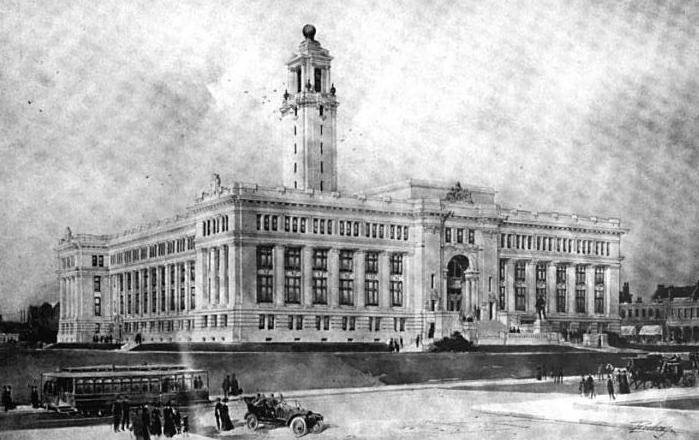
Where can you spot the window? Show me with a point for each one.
(541, 272)
(224, 320)
(346, 292)
(599, 275)
(97, 283)
(447, 235)
(520, 271)
(372, 262)
(371, 323)
(377, 323)
(292, 289)
(94, 261)
(501, 268)
(501, 298)
(270, 322)
(291, 322)
(317, 80)
(396, 293)
(98, 306)
(344, 323)
(352, 322)
(320, 290)
(264, 288)
(299, 322)
(459, 235)
(326, 323)
(396, 264)
(580, 274)
(292, 259)
(472, 236)
(561, 300)
(346, 261)
(318, 322)
(261, 323)
(599, 300)
(561, 274)
(287, 221)
(372, 292)
(580, 300)
(320, 259)
(214, 321)
(204, 321)
(520, 298)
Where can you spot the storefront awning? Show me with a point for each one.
(651, 330)
(628, 330)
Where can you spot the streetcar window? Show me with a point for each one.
(89, 387)
(144, 384)
(187, 381)
(154, 386)
(134, 385)
(108, 387)
(79, 386)
(98, 386)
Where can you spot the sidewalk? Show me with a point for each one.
(603, 412)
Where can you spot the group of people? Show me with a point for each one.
(587, 385)
(514, 330)
(147, 421)
(102, 339)
(223, 417)
(554, 373)
(230, 386)
(395, 345)
(7, 401)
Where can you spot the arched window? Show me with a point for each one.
(317, 79)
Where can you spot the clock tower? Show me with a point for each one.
(308, 116)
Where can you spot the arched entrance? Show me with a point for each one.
(456, 273)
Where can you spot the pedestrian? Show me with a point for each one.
(178, 420)
(591, 386)
(417, 341)
(139, 428)
(156, 427)
(116, 414)
(185, 426)
(552, 374)
(217, 413)
(600, 371)
(125, 408)
(35, 397)
(401, 342)
(226, 423)
(582, 387)
(610, 388)
(226, 385)
(169, 428)
(538, 372)
(560, 374)
(235, 386)
(543, 371)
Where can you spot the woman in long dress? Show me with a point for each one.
(169, 428)
(156, 428)
(226, 423)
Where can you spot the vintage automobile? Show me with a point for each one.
(278, 412)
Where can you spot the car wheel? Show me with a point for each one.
(298, 426)
(251, 422)
(318, 427)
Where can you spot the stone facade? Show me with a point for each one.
(247, 263)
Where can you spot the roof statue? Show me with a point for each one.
(68, 234)
(215, 184)
(458, 194)
(309, 32)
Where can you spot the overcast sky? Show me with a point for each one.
(114, 113)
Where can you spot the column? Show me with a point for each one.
(200, 280)
(550, 289)
(231, 274)
(187, 287)
(168, 286)
(510, 285)
(570, 288)
(590, 289)
(158, 281)
(333, 277)
(307, 277)
(62, 296)
(178, 287)
(210, 275)
(384, 281)
(224, 274)
(278, 255)
(359, 275)
(530, 277)
(217, 275)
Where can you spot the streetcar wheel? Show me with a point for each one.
(298, 426)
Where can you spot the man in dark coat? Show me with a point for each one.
(225, 386)
(116, 414)
(169, 428)
(591, 386)
(125, 408)
(35, 397)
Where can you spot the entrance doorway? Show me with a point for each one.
(456, 271)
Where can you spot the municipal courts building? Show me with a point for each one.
(305, 262)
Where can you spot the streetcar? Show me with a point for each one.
(92, 390)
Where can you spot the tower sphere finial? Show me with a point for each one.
(309, 32)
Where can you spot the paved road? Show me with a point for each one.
(434, 413)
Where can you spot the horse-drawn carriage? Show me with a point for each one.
(662, 371)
